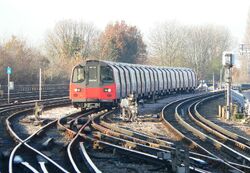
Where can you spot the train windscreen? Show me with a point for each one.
(78, 74)
(106, 74)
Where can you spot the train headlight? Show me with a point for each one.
(107, 90)
(77, 89)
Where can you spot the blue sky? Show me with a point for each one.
(31, 19)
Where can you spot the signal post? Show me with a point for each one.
(9, 71)
(228, 60)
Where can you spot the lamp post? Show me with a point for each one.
(40, 84)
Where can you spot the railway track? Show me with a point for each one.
(8, 117)
(181, 123)
(107, 138)
(238, 140)
(101, 134)
(148, 144)
(90, 142)
(237, 149)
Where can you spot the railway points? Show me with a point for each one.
(172, 131)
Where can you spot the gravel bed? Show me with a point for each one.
(47, 115)
(238, 127)
(109, 161)
(152, 111)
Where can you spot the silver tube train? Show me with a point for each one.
(96, 83)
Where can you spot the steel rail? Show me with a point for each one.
(25, 141)
(201, 135)
(109, 133)
(136, 154)
(211, 128)
(76, 135)
(243, 140)
(136, 134)
(189, 141)
(204, 137)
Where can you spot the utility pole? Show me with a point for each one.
(40, 84)
(213, 82)
(221, 70)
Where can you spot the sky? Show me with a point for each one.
(32, 19)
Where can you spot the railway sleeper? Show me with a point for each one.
(143, 148)
(210, 140)
(222, 138)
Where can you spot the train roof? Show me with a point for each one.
(138, 65)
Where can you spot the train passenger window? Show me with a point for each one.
(106, 74)
(92, 73)
(78, 74)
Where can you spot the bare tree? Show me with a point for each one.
(167, 42)
(69, 43)
(24, 60)
(247, 31)
(70, 39)
(204, 47)
(244, 72)
(198, 47)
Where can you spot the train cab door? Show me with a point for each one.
(92, 81)
(92, 75)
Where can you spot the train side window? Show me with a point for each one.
(107, 74)
(78, 74)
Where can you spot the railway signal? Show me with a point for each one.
(9, 71)
(228, 61)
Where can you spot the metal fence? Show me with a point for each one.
(239, 98)
(31, 88)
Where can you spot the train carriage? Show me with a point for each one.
(96, 83)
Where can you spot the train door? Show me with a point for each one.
(161, 79)
(92, 75)
(152, 83)
(186, 77)
(156, 79)
(172, 79)
(127, 80)
(191, 82)
(167, 79)
(143, 80)
(147, 80)
(182, 78)
(177, 79)
(123, 81)
(131, 75)
(137, 80)
(117, 80)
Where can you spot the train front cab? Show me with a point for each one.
(92, 85)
